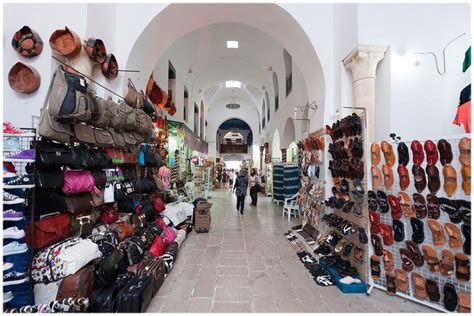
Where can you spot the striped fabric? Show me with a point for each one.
(291, 180)
(278, 183)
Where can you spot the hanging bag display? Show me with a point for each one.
(49, 153)
(47, 231)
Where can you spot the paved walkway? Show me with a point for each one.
(245, 264)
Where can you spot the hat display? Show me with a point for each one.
(27, 42)
(110, 67)
(23, 78)
(65, 42)
(95, 48)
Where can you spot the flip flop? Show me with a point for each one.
(464, 300)
(447, 262)
(391, 283)
(419, 286)
(433, 290)
(375, 267)
(455, 240)
(431, 257)
(324, 280)
(463, 267)
(406, 205)
(450, 298)
(387, 260)
(437, 232)
(407, 262)
(402, 280)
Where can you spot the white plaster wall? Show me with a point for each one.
(415, 102)
(18, 108)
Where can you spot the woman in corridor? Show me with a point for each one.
(254, 186)
(240, 189)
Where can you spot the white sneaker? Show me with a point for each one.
(13, 233)
(349, 280)
(7, 266)
(11, 199)
(7, 297)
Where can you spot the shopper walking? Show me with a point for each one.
(254, 187)
(224, 179)
(240, 189)
(231, 179)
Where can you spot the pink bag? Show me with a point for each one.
(78, 181)
(158, 247)
(169, 234)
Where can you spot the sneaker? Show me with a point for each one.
(21, 182)
(12, 216)
(13, 233)
(12, 199)
(7, 297)
(8, 175)
(10, 130)
(14, 248)
(26, 155)
(7, 266)
(9, 167)
(11, 144)
(12, 278)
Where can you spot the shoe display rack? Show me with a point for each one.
(18, 211)
(417, 212)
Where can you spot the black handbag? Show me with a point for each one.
(146, 236)
(133, 249)
(47, 178)
(144, 185)
(102, 160)
(108, 268)
(126, 206)
(129, 188)
(129, 173)
(102, 300)
(100, 177)
(136, 295)
(107, 241)
(152, 159)
(119, 192)
(81, 158)
(49, 153)
(149, 211)
(49, 201)
(154, 228)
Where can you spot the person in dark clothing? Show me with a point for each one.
(254, 187)
(240, 189)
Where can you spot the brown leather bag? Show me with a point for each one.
(119, 141)
(133, 96)
(156, 95)
(79, 284)
(154, 267)
(124, 230)
(138, 221)
(103, 138)
(84, 133)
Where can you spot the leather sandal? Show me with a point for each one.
(394, 203)
(420, 178)
(340, 246)
(358, 255)
(431, 152)
(347, 249)
(463, 267)
(433, 290)
(376, 177)
(437, 232)
(391, 283)
(466, 179)
(451, 208)
(382, 202)
(404, 177)
(466, 231)
(387, 260)
(450, 298)
(464, 146)
(433, 206)
(447, 262)
(362, 236)
(375, 154)
(419, 285)
(372, 200)
(375, 267)
(377, 244)
(402, 280)
(419, 203)
(445, 152)
(434, 182)
(415, 253)
(450, 180)
(374, 222)
(407, 262)
(398, 230)
(406, 205)
(464, 302)
(431, 257)
(388, 153)
(417, 152)
(455, 240)
(387, 176)
(403, 154)
(386, 232)
(418, 235)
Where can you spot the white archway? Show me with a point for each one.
(288, 133)
(275, 146)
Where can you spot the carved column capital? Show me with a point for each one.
(363, 61)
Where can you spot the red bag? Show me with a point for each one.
(48, 231)
(78, 181)
(116, 155)
(109, 214)
(158, 205)
(160, 222)
(158, 247)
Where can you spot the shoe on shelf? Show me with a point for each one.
(10, 130)
(14, 248)
(7, 266)
(349, 280)
(13, 233)
(11, 144)
(21, 182)
(7, 296)
(7, 175)
(12, 216)
(12, 199)
(26, 155)
(12, 278)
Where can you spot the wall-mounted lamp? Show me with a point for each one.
(310, 106)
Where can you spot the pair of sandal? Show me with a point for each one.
(349, 126)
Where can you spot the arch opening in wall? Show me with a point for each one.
(277, 91)
(288, 133)
(196, 118)
(267, 100)
(292, 153)
(171, 82)
(276, 149)
(185, 105)
(263, 113)
(201, 120)
(288, 60)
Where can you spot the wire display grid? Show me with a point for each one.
(444, 218)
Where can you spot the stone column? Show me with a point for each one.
(362, 62)
(283, 154)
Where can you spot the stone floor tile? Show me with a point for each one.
(265, 304)
(199, 305)
(227, 307)
(232, 294)
(236, 281)
(236, 270)
(233, 261)
(204, 287)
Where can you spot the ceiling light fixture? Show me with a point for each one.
(232, 44)
(233, 84)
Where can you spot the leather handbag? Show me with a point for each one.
(133, 96)
(47, 178)
(106, 240)
(152, 267)
(124, 230)
(103, 138)
(136, 295)
(49, 153)
(102, 160)
(126, 206)
(108, 268)
(129, 139)
(108, 214)
(103, 300)
(158, 205)
(146, 236)
(119, 192)
(129, 188)
(84, 134)
(103, 111)
(116, 155)
(79, 204)
(51, 129)
(138, 137)
(169, 234)
(49, 201)
(133, 249)
(47, 231)
(144, 185)
(144, 123)
(100, 178)
(78, 181)
(119, 141)
(98, 198)
(138, 221)
(81, 158)
(81, 226)
(129, 157)
(158, 247)
(79, 284)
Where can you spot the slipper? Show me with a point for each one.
(347, 249)
(325, 280)
(358, 255)
(402, 280)
(394, 203)
(404, 177)
(433, 290)
(407, 262)
(466, 179)
(386, 232)
(414, 253)
(374, 222)
(340, 246)
(391, 283)
(388, 153)
(376, 177)
(455, 240)
(420, 178)
(372, 199)
(437, 232)
(350, 280)
(464, 300)
(464, 146)
(387, 176)
(398, 230)
(419, 203)
(419, 286)
(447, 262)
(358, 186)
(431, 257)
(450, 298)
(375, 267)
(382, 202)
(434, 182)
(377, 244)
(362, 236)
(466, 231)
(347, 228)
(406, 205)
(418, 235)
(463, 267)
(307, 259)
(375, 154)
(450, 180)
(387, 260)
(433, 206)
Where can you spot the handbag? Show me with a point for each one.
(53, 130)
(138, 221)
(158, 247)
(123, 230)
(103, 111)
(108, 268)
(149, 211)
(48, 178)
(109, 193)
(103, 300)
(79, 284)
(141, 155)
(78, 181)
(124, 217)
(84, 134)
(129, 139)
(132, 97)
(133, 249)
(100, 178)
(98, 198)
(103, 138)
(108, 214)
(102, 160)
(129, 188)
(144, 124)
(144, 185)
(153, 267)
(49, 153)
(169, 234)
(106, 241)
(126, 206)
(47, 231)
(129, 172)
(82, 158)
(49, 201)
(146, 236)
(118, 139)
(119, 192)
(116, 155)
(152, 159)
(79, 204)
(136, 295)
(158, 205)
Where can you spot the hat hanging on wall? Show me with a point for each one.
(23, 78)
(110, 67)
(95, 48)
(156, 95)
(65, 42)
(27, 42)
